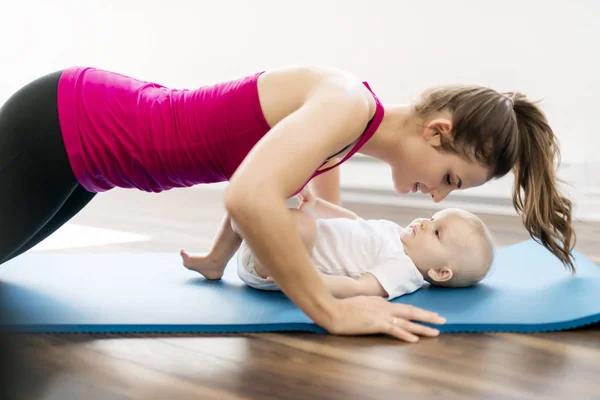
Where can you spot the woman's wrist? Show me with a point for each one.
(326, 312)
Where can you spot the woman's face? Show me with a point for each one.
(421, 166)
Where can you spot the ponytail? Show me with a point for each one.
(506, 132)
(545, 211)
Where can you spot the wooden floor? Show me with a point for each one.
(291, 366)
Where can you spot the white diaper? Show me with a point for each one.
(247, 272)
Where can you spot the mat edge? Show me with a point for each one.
(281, 328)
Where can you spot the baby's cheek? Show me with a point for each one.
(426, 253)
(432, 250)
(449, 253)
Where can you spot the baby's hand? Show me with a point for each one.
(307, 200)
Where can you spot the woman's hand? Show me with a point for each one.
(374, 315)
(362, 315)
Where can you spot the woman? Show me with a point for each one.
(77, 132)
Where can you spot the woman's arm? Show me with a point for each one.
(332, 116)
(274, 168)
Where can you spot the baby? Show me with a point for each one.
(378, 257)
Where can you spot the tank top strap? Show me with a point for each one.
(366, 135)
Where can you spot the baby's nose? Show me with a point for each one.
(425, 224)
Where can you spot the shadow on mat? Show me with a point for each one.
(239, 291)
(450, 299)
(237, 287)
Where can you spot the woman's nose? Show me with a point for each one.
(439, 195)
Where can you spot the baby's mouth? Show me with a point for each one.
(416, 187)
(410, 230)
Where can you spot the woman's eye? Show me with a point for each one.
(448, 180)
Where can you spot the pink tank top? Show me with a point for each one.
(123, 132)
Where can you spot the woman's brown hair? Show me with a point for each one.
(504, 132)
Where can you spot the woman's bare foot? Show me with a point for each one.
(207, 267)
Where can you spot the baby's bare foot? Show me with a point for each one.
(205, 266)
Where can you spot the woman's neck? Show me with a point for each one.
(396, 125)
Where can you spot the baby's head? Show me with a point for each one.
(452, 249)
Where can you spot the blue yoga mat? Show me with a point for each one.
(529, 291)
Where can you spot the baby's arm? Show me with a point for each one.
(342, 286)
(392, 276)
(345, 286)
(321, 208)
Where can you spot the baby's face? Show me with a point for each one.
(436, 242)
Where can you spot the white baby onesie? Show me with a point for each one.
(353, 247)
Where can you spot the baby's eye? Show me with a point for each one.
(437, 233)
(448, 179)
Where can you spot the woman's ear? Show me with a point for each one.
(435, 129)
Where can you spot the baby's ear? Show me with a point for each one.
(443, 274)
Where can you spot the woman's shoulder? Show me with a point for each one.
(284, 90)
(313, 77)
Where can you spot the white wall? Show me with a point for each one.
(548, 50)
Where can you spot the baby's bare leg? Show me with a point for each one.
(212, 265)
(306, 227)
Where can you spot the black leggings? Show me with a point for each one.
(39, 192)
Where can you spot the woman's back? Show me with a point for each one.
(123, 132)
